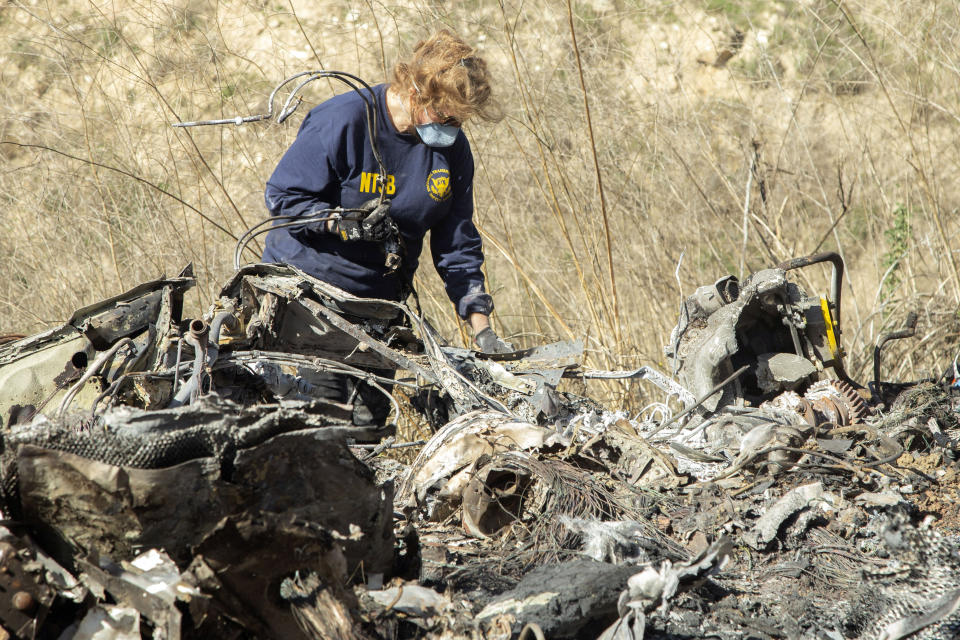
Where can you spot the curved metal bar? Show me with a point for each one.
(322, 364)
(836, 282)
(111, 391)
(318, 364)
(836, 285)
(736, 374)
(907, 332)
(197, 337)
(222, 318)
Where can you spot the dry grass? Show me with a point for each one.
(616, 184)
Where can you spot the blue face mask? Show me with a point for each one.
(434, 134)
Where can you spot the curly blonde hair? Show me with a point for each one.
(449, 78)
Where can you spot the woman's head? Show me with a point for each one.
(448, 78)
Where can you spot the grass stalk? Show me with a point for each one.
(917, 163)
(615, 323)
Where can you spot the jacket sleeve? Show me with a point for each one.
(457, 249)
(306, 178)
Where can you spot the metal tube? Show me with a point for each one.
(667, 384)
(908, 332)
(736, 374)
(176, 367)
(89, 373)
(204, 339)
(199, 329)
(224, 317)
(398, 445)
(185, 393)
(318, 364)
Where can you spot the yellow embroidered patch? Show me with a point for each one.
(438, 184)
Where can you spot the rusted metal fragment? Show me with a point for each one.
(132, 311)
(123, 320)
(277, 278)
(810, 496)
(25, 597)
(451, 452)
(243, 562)
(39, 377)
(35, 371)
(494, 498)
(300, 314)
(112, 509)
(706, 338)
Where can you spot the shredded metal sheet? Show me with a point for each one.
(813, 513)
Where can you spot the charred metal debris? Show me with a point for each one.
(174, 477)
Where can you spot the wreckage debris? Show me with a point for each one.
(562, 599)
(176, 477)
(654, 587)
(916, 593)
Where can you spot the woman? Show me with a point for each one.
(429, 183)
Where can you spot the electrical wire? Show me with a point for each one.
(91, 371)
(294, 221)
(370, 105)
(371, 111)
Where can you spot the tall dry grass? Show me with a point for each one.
(648, 148)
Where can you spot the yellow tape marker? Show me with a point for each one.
(831, 331)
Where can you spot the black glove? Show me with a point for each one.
(372, 224)
(489, 342)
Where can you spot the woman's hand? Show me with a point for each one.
(490, 342)
(373, 224)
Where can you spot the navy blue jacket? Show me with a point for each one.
(330, 164)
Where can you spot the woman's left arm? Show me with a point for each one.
(456, 246)
(458, 257)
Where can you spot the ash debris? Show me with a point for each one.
(170, 477)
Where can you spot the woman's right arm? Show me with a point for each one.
(305, 179)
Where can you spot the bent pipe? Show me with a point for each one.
(222, 318)
(197, 337)
(836, 281)
(205, 341)
(213, 336)
(907, 332)
(185, 393)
